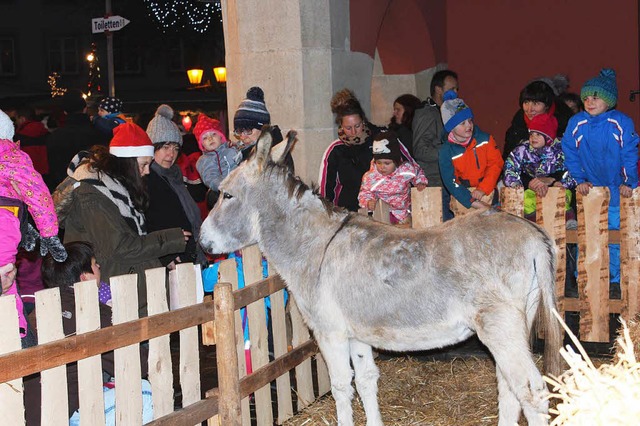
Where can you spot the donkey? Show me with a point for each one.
(361, 284)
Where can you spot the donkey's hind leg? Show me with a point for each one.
(335, 350)
(503, 329)
(366, 380)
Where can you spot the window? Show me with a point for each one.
(127, 56)
(7, 56)
(63, 55)
(175, 55)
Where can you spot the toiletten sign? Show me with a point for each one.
(112, 23)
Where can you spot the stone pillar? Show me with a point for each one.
(298, 52)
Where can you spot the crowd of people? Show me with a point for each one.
(123, 199)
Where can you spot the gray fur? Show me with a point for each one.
(360, 284)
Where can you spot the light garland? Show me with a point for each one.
(183, 14)
(53, 82)
(94, 71)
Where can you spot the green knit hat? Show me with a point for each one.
(603, 86)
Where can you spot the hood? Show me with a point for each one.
(64, 195)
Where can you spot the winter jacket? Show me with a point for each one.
(214, 166)
(427, 131)
(477, 165)
(393, 189)
(526, 163)
(17, 169)
(87, 214)
(106, 124)
(519, 131)
(33, 140)
(78, 134)
(602, 150)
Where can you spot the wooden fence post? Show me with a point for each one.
(512, 200)
(11, 405)
(426, 207)
(630, 254)
(227, 361)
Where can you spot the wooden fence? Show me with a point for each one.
(592, 238)
(227, 404)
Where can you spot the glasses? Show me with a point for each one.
(242, 132)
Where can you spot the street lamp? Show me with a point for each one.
(221, 74)
(195, 76)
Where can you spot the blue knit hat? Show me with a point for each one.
(252, 112)
(603, 86)
(454, 111)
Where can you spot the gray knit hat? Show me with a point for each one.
(252, 112)
(6, 126)
(162, 129)
(454, 111)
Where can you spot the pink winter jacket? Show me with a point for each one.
(19, 180)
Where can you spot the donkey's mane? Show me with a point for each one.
(295, 186)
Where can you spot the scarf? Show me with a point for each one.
(355, 140)
(452, 139)
(173, 176)
(552, 110)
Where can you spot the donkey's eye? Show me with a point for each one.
(226, 195)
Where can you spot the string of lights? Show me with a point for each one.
(53, 83)
(183, 14)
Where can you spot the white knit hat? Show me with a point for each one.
(162, 129)
(6, 127)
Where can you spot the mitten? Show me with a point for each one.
(53, 246)
(29, 238)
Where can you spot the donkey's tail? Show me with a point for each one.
(546, 277)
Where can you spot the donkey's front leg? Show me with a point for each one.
(335, 350)
(366, 380)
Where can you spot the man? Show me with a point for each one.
(427, 131)
(32, 135)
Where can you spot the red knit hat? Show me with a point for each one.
(206, 125)
(130, 140)
(545, 124)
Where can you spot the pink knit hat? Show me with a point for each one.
(206, 125)
(130, 140)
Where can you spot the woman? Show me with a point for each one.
(170, 204)
(403, 108)
(103, 203)
(348, 158)
(537, 97)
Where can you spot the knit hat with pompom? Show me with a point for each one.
(603, 86)
(6, 127)
(454, 111)
(162, 129)
(205, 125)
(252, 112)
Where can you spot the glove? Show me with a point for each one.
(53, 246)
(29, 238)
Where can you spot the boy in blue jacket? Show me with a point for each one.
(601, 149)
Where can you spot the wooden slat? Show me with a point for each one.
(593, 264)
(227, 365)
(208, 329)
(381, 212)
(11, 394)
(193, 414)
(551, 216)
(189, 350)
(55, 398)
(89, 369)
(228, 273)
(32, 360)
(304, 379)
(426, 207)
(630, 254)
(460, 210)
(124, 293)
(512, 200)
(252, 264)
(257, 290)
(324, 383)
(160, 364)
(280, 344)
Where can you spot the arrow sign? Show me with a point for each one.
(112, 23)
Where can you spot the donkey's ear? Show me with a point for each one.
(280, 151)
(263, 146)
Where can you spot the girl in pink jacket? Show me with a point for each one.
(20, 186)
(390, 179)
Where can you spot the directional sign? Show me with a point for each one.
(112, 23)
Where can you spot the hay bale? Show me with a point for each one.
(608, 395)
(634, 333)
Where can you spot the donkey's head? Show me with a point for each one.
(234, 222)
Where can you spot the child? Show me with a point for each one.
(538, 163)
(390, 179)
(218, 158)
(601, 149)
(81, 265)
(468, 157)
(21, 185)
(109, 115)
